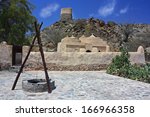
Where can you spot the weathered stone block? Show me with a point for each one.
(107, 49)
(5, 55)
(82, 50)
(94, 49)
(140, 49)
(66, 14)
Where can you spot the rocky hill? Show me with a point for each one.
(131, 35)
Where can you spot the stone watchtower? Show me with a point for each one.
(66, 14)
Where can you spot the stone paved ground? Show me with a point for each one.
(83, 85)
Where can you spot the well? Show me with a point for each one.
(36, 85)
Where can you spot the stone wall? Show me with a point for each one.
(5, 55)
(82, 58)
(74, 58)
(66, 14)
(67, 58)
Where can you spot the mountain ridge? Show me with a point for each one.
(131, 35)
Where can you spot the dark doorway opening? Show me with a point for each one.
(88, 51)
(17, 55)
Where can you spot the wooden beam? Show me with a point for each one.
(21, 68)
(42, 55)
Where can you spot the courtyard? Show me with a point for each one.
(75, 85)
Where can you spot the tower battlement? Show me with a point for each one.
(66, 14)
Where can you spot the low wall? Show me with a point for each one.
(59, 59)
(78, 58)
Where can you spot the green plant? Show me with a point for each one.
(120, 64)
(16, 21)
(126, 31)
(111, 23)
(140, 73)
(54, 37)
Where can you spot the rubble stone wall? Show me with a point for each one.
(5, 55)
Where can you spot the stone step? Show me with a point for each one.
(14, 69)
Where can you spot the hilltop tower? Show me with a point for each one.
(66, 14)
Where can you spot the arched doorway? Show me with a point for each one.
(88, 50)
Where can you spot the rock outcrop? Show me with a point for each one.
(131, 35)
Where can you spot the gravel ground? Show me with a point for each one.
(76, 85)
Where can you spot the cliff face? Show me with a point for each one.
(131, 35)
(139, 36)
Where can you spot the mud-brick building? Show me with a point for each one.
(83, 44)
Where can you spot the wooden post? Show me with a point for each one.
(21, 68)
(42, 55)
(37, 28)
